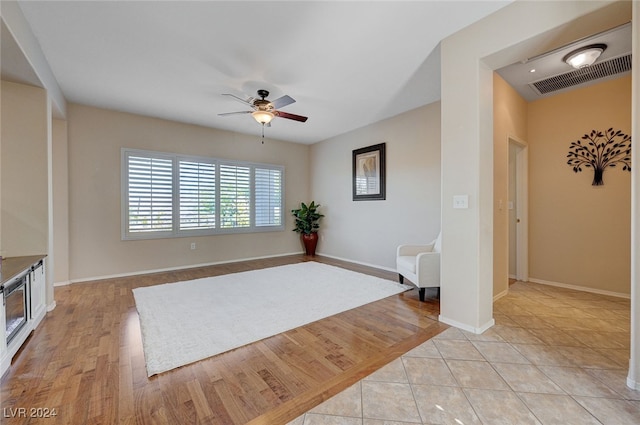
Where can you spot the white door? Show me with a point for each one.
(518, 210)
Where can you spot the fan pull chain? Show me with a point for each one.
(263, 133)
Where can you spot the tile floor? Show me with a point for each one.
(555, 356)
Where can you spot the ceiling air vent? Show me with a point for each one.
(583, 75)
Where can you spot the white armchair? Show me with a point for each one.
(420, 264)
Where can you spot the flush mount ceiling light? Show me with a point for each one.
(584, 56)
(263, 117)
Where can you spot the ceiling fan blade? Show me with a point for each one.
(290, 116)
(248, 101)
(234, 113)
(282, 102)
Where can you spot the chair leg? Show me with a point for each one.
(401, 278)
(421, 292)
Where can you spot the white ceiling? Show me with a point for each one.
(347, 64)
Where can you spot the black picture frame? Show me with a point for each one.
(369, 173)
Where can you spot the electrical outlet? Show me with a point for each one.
(193, 245)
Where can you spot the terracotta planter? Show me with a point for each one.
(310, 242)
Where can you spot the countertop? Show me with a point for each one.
(13, 266)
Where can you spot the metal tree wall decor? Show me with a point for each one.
(600, 150)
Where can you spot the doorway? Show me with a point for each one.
(518, 210)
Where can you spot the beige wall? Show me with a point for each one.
(579, 233)
(509, 120)
(95, 139)
(369, 231)
(24, 170)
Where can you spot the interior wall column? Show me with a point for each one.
(633, 379)
(50, 260)
(466, 295)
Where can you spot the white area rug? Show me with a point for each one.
(189, 321)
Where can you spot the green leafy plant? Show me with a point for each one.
(307, 217)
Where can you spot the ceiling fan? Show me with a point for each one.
(265, 110)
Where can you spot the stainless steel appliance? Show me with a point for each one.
(14, 298)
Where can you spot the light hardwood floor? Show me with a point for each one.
(85, 361)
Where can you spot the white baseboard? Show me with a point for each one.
(184, 267)
(193, 266)
(466, 327)
(348, 260)
(579, 288)
(500, 295)
(633, 384)
(51, 306)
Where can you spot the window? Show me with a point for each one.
(150, 192)
(235, 196)
(268, 186)
(166, 195)
(197, 195)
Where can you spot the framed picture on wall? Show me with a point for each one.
(369, 173)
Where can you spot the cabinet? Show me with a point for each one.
(37, 288)
(3, 326)
(25, 276)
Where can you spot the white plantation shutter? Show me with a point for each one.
(149, 194)
(235, 196)
(197, 195)
(268, 196)
(167, 195)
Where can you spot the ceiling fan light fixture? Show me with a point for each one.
(263, 117)
(584, 56)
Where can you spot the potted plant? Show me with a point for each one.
(307, 217)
